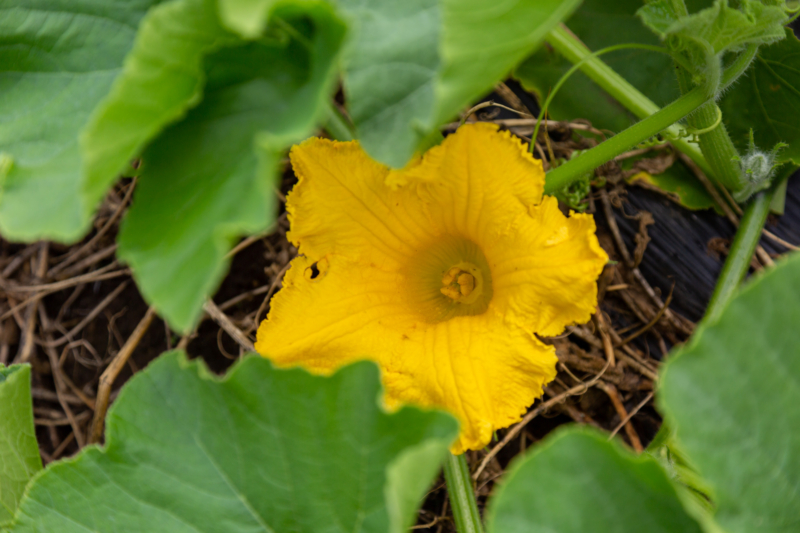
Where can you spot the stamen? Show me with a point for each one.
(458, 284)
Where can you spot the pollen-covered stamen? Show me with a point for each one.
(457, 283)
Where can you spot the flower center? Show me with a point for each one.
(449, 278)
(462, 283)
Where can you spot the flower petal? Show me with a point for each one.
(476, 183)
(345, 313)
(481, 370)
(545, 273)
(341, 205)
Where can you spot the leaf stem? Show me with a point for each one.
(462, 495)
(569, 172)
(742, 249)
(569, 46)
(337, 126)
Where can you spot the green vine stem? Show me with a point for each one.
(574, 169)
(569, 46)
(715, 143)
(743, 246)
(462, 495)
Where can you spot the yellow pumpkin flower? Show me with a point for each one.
(441, 273)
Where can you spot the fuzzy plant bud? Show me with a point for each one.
(757, 168)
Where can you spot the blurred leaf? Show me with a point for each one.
(262, 450)
(767, 99)
(413, 65)
(58, 60)
(599, 24)
(578, 481)
(163, 78)
(246, 17)
(723, 27)
(210, 178)
(19, 451)
(733, 397)
(680, 184)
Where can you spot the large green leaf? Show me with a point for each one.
(211, 177)
(767, 99)
(58, 60)
(599, 24)
(263, 450)
(162, 78)
(412, 65)
(733, 397)
(19, 452)
(577, 481)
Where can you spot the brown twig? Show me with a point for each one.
(98, 275)
(608, 347)
(58, 379)
(27, 345)
(652, 322)
(613, 395)
(86, 248)
(677, 321)
(110, 374)
(578, 389)
(91, 316)
(631, 415)
(225, 323)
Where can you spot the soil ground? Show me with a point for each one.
(69, 310)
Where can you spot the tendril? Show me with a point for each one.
(660, 49)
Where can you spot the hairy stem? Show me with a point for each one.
(716, 144)
(569, 46)
(742, 248)
(462, 495)
(573, 170)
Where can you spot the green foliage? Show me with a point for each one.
(577, 481)
(679, 183)
(210, 178)
(724, 28)
(599, 24)
(411, 66)
(19, 453)
(58, 61)
(732, 396)
(767, 99)
(246, 17)
(261, 450)
(209, 93)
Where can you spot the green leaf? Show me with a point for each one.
(261, 450)
(599, 24)
(210, 178)
(723, 27)
(246, 17)
(767, 99)
(163, 77)
(58, 60)
(679, 184)
(578, 481)
(732, 396)
(413, 65)
(19, 452)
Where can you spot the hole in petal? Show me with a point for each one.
(316, 270)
